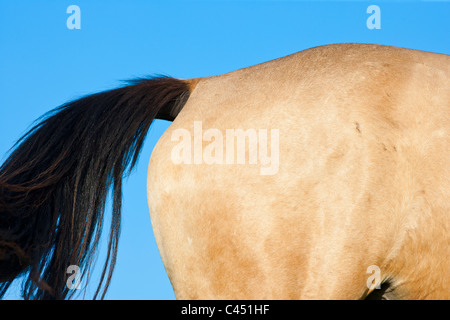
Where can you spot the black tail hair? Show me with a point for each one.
(54, 185)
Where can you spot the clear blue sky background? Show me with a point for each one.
(43, 64)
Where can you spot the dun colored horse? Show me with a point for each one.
(321, 175)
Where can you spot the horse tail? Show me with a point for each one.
(54, 184)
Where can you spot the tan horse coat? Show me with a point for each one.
(363, 180)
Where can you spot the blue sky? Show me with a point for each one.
(43, 64)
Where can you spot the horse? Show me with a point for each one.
(346, 198)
